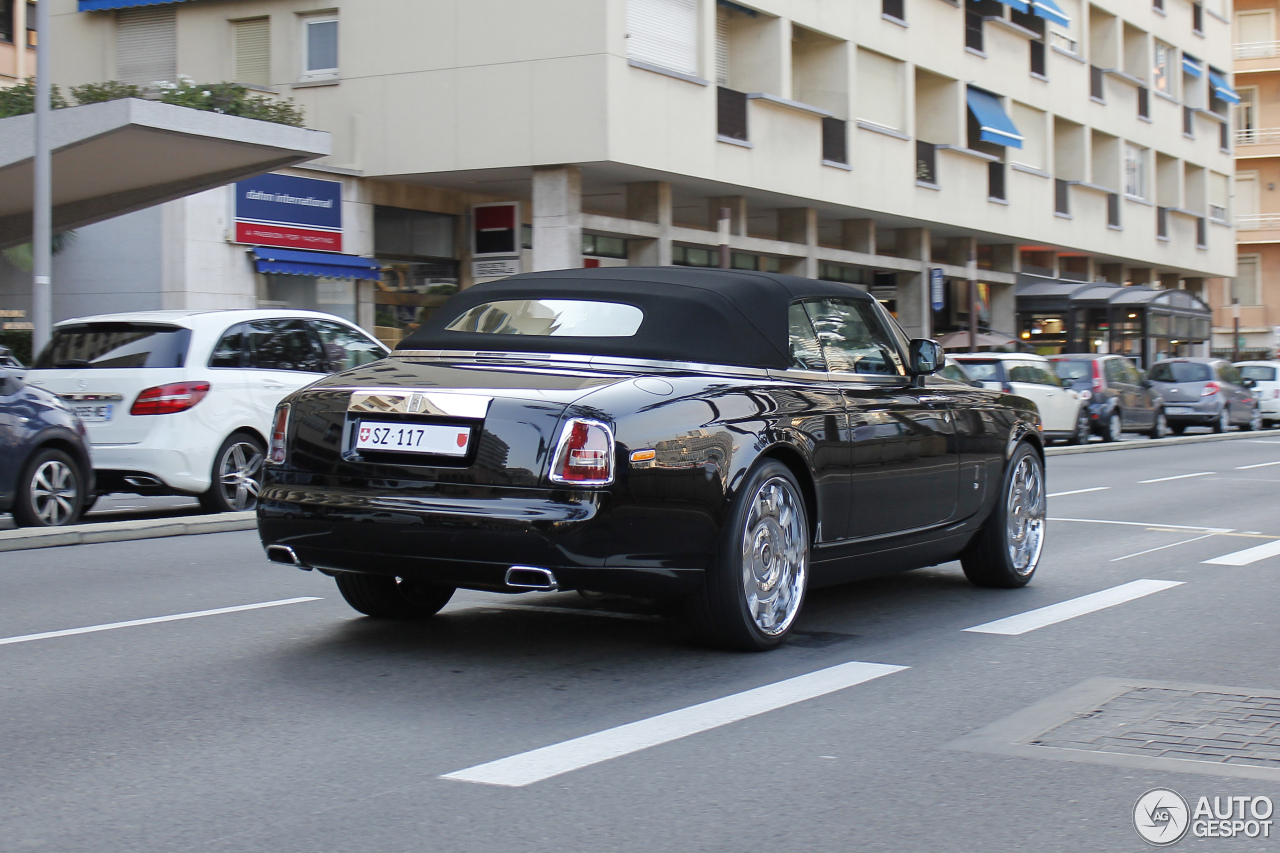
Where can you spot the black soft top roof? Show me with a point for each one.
(699, 315)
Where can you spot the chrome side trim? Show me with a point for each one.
(92, 398)
(577, 358)
(408, 401)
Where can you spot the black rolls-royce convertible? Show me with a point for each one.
(729, 438)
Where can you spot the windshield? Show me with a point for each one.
(1181, 371)
(115, 345)
(556, 318)
(1074, 370)
(1258, 373)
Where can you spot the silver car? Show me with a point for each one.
(1205, 392)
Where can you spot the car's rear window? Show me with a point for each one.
(556, 318)
(1073, 370)
(1258, 373)
(983, 371)
(1181, 371)
(115, 345)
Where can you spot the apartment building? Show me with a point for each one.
(900, 146)
(1253, 298)
(17, 40)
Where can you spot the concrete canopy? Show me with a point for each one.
(121, 156)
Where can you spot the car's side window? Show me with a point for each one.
(1230, 374)
(232, 347)
(853, 338)
(1023, 371)
(344, 347)
(1115, 371)
(802, 343)
(285, 345)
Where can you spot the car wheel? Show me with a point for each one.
(1254, 423)
(1081, 435)
(752, 594)
(237, 475)
(1161, 427)
(1115, 427)
(386, 597)
(1223, 423)
(51, 491)
(1007, 550)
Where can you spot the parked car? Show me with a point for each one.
(1063, 410)
(724, 437)
(953, 370)
(7, 360)
(46, 477)
(180, 402)
(1266, 388)
(1119, 397)
(1205, 392)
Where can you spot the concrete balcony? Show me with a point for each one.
(1256, 57)
(1258, 228)
(1257, 142)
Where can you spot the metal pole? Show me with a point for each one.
(1235, 330)
(726, 224)
(42, 208)
(972, 269)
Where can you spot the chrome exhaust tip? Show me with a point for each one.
(285, 555)
(139, 481)
(531, 577)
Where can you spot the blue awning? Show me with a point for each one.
(98, 5)
(320, 264)
(1020, 5)
(1192, 66)
(997, 127)
(1221, 88)
(1050, 11)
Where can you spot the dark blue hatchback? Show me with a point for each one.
(46, 478)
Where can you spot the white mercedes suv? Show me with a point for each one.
(180, 402)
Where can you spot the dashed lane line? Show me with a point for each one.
(1259, 465)
(548, 761)
(1150, 525)
(1079, 491)
(1163, 547)
(1064, 610)
(1178, 477)
(1247, 556)
(155, 620)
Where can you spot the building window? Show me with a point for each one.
(147, 45)
(1158, 5)
(1246, 117)
(694, 256)
(828, 271)
(31, 25)
(731, 114)
(1197, 18)
(896, 9)
(320, 48)
(664, 33)
(252, 46)
(1144, 102)
(1135, 171)
(995, 181)
(835, 140)
(604, 247)
(1244, 286)
(1162, 68)
(1039, 62)
(416, 251)
(6, 21)
(1096, 89)
(880, 95)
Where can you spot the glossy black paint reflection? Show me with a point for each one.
(32, 418)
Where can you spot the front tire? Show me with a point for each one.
(50, 492)
(1161, 427)
(1081, 435)
(1007, 550)
(1254, 423)
(1115, 427)
(752, 594)
(237, 475)
(1223, 423)
(385, 597)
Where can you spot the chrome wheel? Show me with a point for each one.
(775, 556)
(239, 470)
(1025, 514)
(54, 493)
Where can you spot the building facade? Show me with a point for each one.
(901, 146)
(17, 41)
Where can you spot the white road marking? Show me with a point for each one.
(1248, 555)
(536, 765)
(1079, 491)
(1260, 441)
(1179, 477)
(1064, 610)
(1259, 465)
(1170, 527)
(571, 611)
(1162, 547)
(111, 626)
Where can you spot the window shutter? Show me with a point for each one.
(253, 51)
(722, 46)
(664, 33)
(147, 45)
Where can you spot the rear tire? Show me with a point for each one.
(385, 597)
(1007, 550)
(50, 491)
(1115, 428)
(1254, 423)
(1081, 435)
(1160, 428)
(1223, 423)
(752, 594)
(237, 475)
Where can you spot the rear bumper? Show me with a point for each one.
(1192, 413)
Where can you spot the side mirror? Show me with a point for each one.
(1250, 383)
(1065, 383)
(926, 357)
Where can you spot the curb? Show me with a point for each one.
(1160, 442)
(123, 531)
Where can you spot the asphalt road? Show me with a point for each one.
(303, 727)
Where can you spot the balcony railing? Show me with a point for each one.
(1258, 221)
(1257, 135)
(1063, 41)
(1257, 49)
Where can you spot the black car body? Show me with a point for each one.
(1120, 398)
(1206, 392)
(45, 472)
(727, 375)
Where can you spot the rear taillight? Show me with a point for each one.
(1097, 377)
(1209, 389)
(279, 428)
(584, 456)
(167, 399)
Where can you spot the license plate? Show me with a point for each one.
(433, 439)
(1179, 410)
(93, 413)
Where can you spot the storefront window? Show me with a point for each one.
(335, 296)
(417, 251)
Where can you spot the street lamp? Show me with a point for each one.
(42, 208)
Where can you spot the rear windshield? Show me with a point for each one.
(1073, 370)
(555, 318)
(115, 345)
(1181, 371)
(1258, 373)
(983, 371)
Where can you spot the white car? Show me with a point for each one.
(181, 402)
(1064, 412)
(1266, 390)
